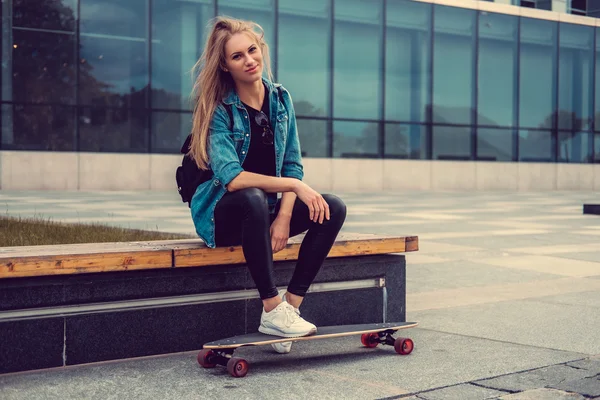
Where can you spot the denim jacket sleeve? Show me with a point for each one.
(224, 160)
(292, 158)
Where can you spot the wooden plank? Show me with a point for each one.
(194, 253)
(22, 261)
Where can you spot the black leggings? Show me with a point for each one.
(243, 217)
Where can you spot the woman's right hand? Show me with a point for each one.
(317, 206)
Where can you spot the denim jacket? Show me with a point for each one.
(227, 150)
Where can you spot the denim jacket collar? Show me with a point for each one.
(233, 98)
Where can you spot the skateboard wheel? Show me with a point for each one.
(205, 357)
(404, 346)
(237, 367)
(369, 340)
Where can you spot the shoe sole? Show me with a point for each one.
(269, 331)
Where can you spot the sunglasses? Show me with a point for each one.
(262, 121)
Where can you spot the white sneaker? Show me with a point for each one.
(285, 322)
(285, 347)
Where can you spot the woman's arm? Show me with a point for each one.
(317, 206)
(269, 184)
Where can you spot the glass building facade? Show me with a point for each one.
(370, 78)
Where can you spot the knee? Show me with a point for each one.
(254, 199)
(337, 208)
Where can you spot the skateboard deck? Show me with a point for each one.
(221, 351)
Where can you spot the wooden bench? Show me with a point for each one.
(71, 304)
(27, 261)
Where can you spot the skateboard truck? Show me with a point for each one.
(209, 358)
(402, 346)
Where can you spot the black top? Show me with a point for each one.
(261, 153)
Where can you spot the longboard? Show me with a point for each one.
(221, 351)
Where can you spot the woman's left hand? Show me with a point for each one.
(280, 233)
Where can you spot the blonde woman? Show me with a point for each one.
(244, 130)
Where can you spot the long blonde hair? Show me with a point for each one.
(213, 83)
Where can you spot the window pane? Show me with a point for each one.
(38, 128)
(453, 69)
(537, 73)
(169, 131)
(355, 139)
(304, 59)
(405, 141)
(535, 145)
(357, 59)
(113, 129)
(575, 147)
(259, 11)
(495, 144)
(313, 137)
(113, 53)
(43, 68)
(178, 36)
(597, 102)
(58, 15)
(497, 69)
(408, 36)
(575, 69)
(115, 18)
(596, 148)
(451, 142)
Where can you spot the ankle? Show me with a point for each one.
(270, 303)
(293, 299)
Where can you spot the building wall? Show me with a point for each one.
(105, 171)
(95, 92)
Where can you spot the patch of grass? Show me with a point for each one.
(18, 231)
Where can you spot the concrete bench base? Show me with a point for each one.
(54, 321)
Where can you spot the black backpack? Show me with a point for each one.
(188, 175)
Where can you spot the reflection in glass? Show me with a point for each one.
(56, 15)
(169, 131)
(535, 145)
(575, 76)
(304, 58)
(451, 142)
(178, 36)
(538, 68)
(114, 72)
(313, 137)
(357, 59)
(575, 147)
(405, 141)
(113, 130)
(453, 64)
(43, 68)
(117, 18)
(495, 144)
(259, 11)
(355, 139)
(407, 60)
(50, 128)
(113, 53)
(497, 69)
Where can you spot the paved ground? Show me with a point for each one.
(506, 287)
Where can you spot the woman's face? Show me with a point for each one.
(243, 58)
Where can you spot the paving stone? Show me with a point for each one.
(589, 387)
(535, 379)
(466, 391)
(542, 394)
(591, 364)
